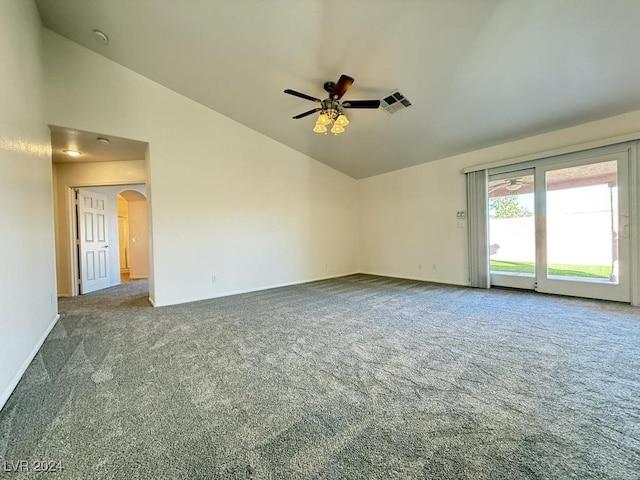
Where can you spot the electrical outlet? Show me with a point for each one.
(461, 215)
(419, 266)
(460, 223)
(213, 279)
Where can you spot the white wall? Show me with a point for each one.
(68, 175)
(226, 201)
(408, 225)
(408, 217)
(28, 306)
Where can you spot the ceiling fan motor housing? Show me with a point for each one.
(329, 86)
(331, 108)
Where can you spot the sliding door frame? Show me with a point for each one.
(525, 282)
(619, 291)
(629, 182)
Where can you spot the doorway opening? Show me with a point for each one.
(132, 235)
(103, 166)
(111, 236)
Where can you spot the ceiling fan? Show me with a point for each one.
(511, 184)
(332, 108)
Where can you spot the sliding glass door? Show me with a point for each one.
(512, 240)
(563, 227)
(584, 236)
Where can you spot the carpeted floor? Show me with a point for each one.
(355, 378)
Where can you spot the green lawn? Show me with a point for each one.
(586, 271)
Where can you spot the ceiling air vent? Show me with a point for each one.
(394, 101)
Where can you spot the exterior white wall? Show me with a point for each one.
(226, 201)
(408, 217)
(68, 175)
(28, 306)
(514, 239)
(574, 239)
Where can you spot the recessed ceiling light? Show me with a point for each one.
(102, 141)
(100, 36)
(72, 153)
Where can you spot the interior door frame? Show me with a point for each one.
(632, 184)
(72, 223)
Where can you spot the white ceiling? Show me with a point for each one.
(86, 143)
(478, 73)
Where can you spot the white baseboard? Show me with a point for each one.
(415, 278)
(16, 379)
(250, 290)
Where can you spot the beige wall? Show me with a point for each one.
(68, 175)
(408, 217)
(123, 233)
(236, 205)
(28, 306)
(134, 234)
(138, 239)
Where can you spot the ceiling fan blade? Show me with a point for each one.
(361, 104)
(307, 113)
(302, 95)
(342, 86)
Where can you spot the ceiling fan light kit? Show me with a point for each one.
(331, 108)
(336, 129)
(331, 113)
(514, 185)
(342, 120)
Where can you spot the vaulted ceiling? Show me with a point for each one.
(478, 73)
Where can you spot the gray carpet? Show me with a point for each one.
(355, 378)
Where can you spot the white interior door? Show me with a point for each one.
(94, 241)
